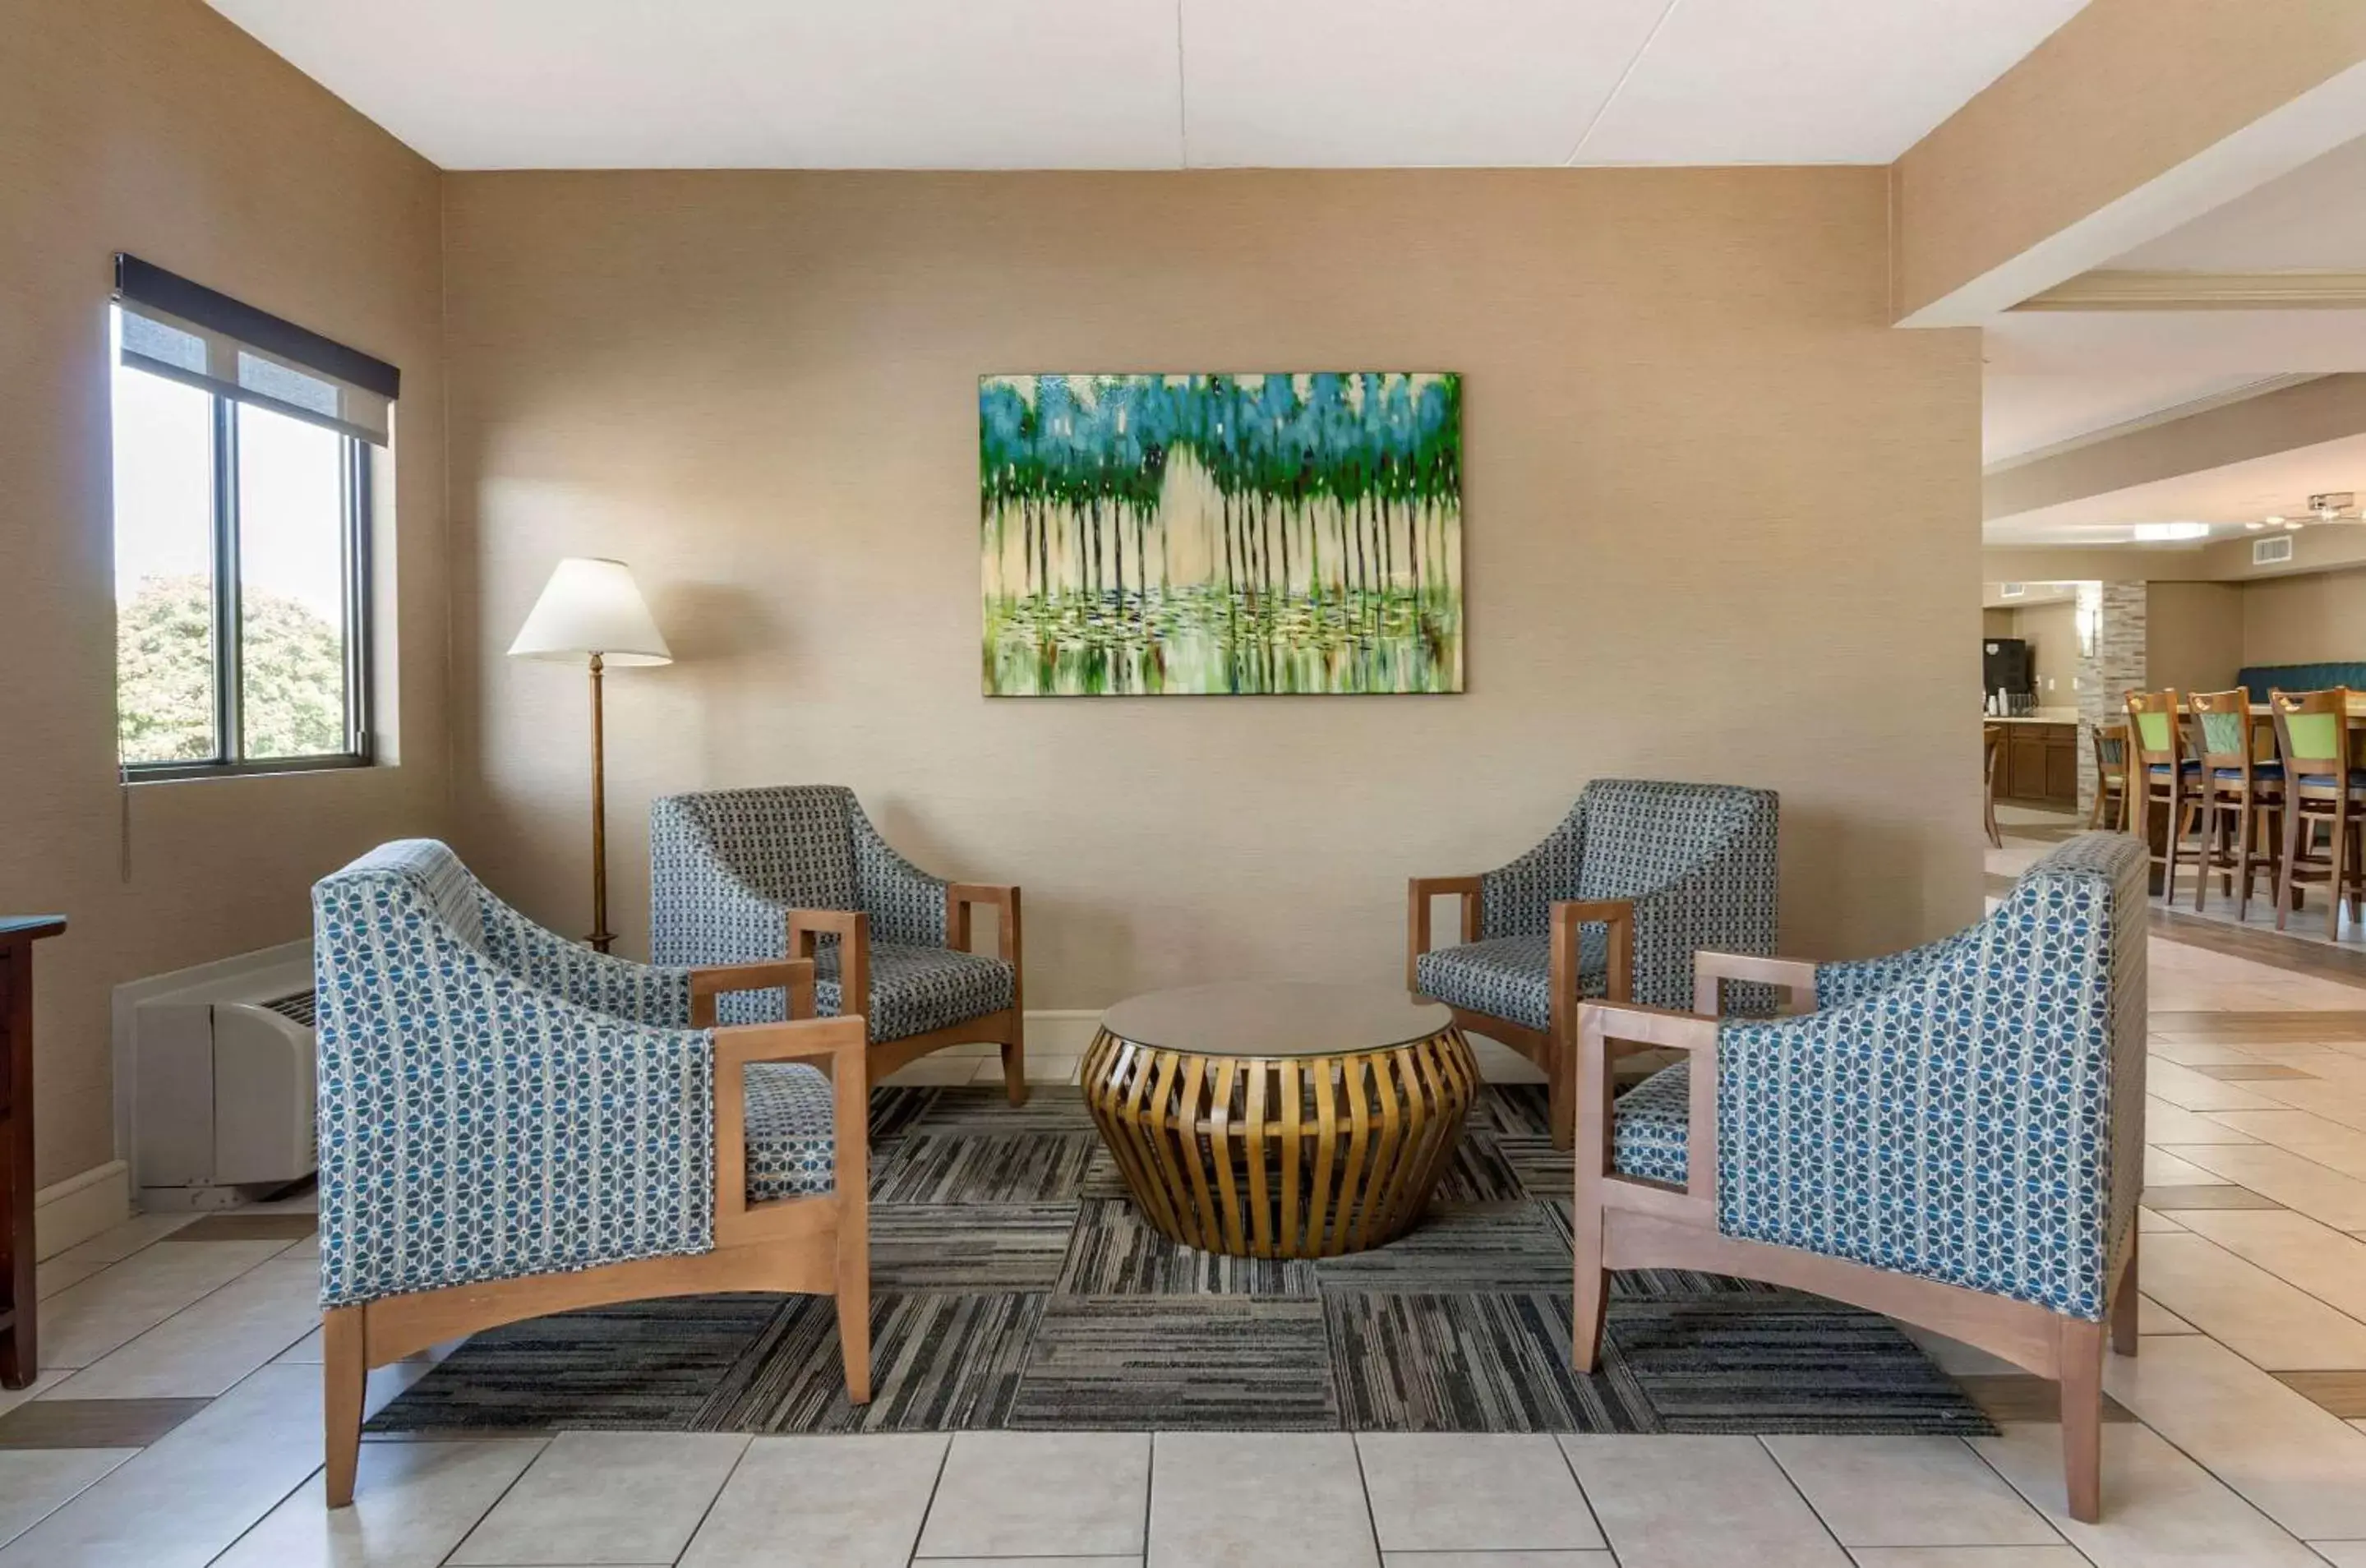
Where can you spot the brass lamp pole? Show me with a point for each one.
(592, 609)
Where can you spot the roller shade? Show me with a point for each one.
(174, 328)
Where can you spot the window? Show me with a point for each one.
(244, 446)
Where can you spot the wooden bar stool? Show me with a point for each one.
(1993, 764)
(2169, 781)
(2242, 797)
(2111, 811)
(2324, 786)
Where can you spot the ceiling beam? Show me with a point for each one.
(2108, 289)
(2134, 117)
(2324, 409)
(2337, 548)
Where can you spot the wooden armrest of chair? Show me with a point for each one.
(711, 981)
(1796, 977)
(1598, 1023)
(963, 898)
(852, 929)
(1618, 914)
(1419, 891)
(836, 1045)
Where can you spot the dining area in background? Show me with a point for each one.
(2252, 786)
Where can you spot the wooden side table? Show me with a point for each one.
(1280, 1120)
(20, 1360)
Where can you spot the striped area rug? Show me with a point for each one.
(1016, 1287)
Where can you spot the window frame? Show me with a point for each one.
(229, 760)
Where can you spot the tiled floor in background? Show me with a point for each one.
(178, 1420)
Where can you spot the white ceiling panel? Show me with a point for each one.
(2022, 413)
(1328, 83)
(813, 84)
(2312, 219)
(1149, 83)
(515, 84)
(2264, 343)
(955, 84)
(1810, 80)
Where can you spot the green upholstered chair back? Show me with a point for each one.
(2312, 728)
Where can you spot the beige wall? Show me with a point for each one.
(2304, 620)
(760, 389)
(2051, 632)
(156, 126)
(2194, 635)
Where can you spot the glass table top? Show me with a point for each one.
(1275, 1018)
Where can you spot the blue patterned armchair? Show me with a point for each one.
(512, 1126)
(798, 871)
(1952, 1135)
(1613, 904)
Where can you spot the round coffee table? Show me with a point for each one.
(1280, 1118)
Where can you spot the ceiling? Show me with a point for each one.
(2308, 220)
(2227, 498)
(1152, 83)
(2023, 414)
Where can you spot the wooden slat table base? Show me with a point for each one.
(1287, 1157)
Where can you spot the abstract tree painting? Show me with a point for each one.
(1200, 534)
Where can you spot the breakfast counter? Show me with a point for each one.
(2041, 758)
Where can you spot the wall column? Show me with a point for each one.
(2109, 671)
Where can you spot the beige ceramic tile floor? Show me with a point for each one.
(193, 1365)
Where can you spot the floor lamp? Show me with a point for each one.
(593, 610)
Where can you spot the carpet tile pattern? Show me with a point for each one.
(1017, 1287)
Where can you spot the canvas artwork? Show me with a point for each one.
(1204, 534)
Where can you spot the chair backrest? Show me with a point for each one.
(411, 877)
(2153, 727)
(2111, 754)
(1641, 835)
(2313, 732)
(792, 843)
(2224, 733)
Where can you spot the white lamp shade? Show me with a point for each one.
(591, 606)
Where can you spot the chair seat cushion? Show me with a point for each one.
(2262, 772)
(1511, 977)
(2188, 766)
(916, 989)
(2324, 780)
(1649, 1125)
(791, 1131)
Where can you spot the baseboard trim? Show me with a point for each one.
(1061, 1032)
(67, 1214)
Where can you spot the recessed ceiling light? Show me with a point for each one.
(2275, 519)
(2255, 527)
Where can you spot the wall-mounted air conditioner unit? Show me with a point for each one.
(2272, 551)
(224, 1073)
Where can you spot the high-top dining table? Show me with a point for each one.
(2157, 822)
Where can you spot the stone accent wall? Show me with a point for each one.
(2116, 668)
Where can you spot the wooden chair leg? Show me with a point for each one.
(1591, 1295)
(2126, 1306)
(2288, 875)
(1560, 1091)
(854, 1317)
(2082, 1417)
(2340, 853)
(2208, 821)
(344, 1380)
(1014, 1062)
